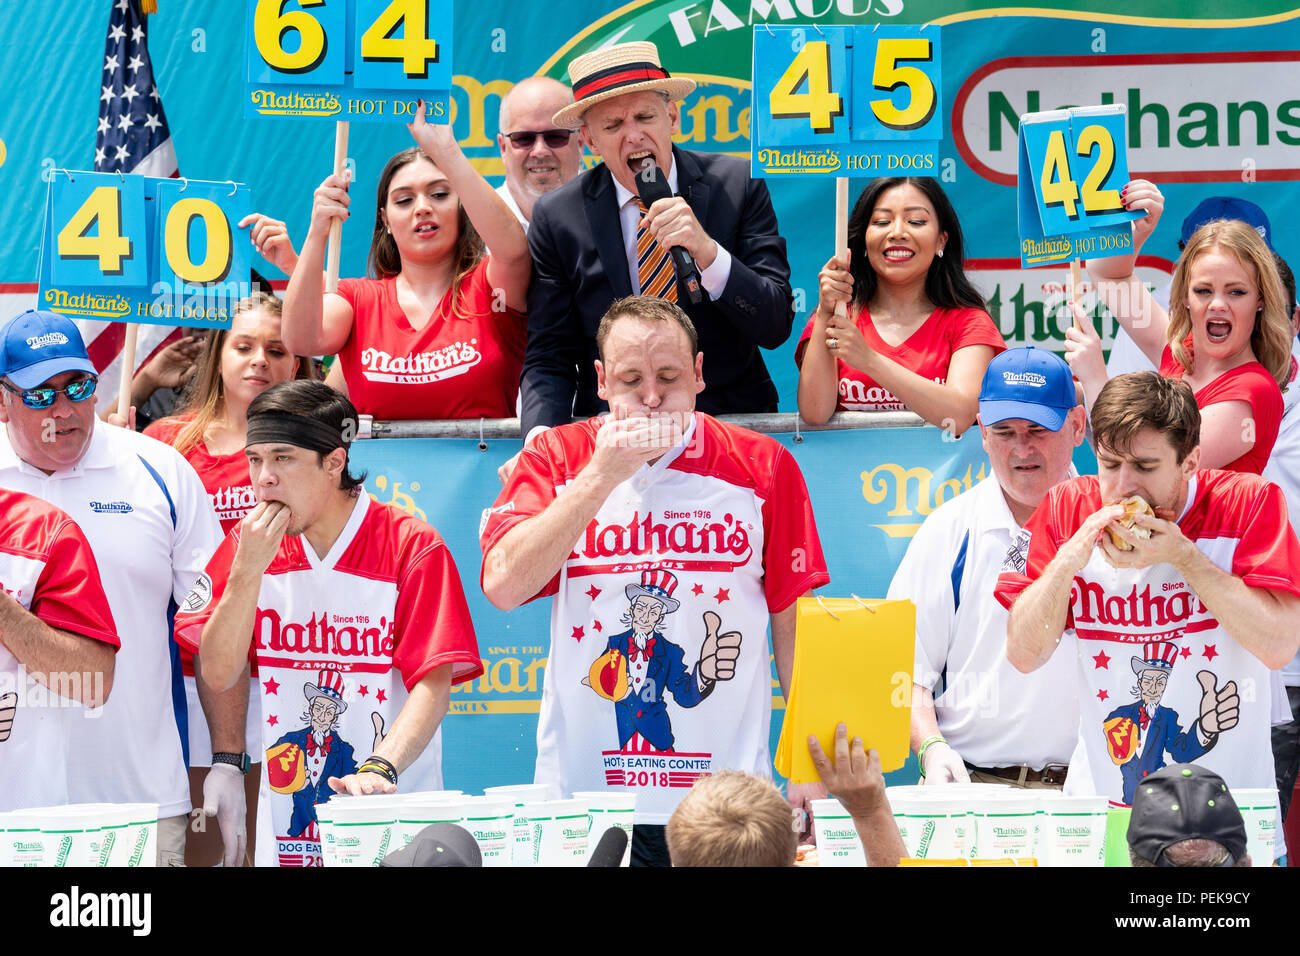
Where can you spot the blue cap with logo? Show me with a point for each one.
(1226, 207)
(36, 346)
(1029, 383)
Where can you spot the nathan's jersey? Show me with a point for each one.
(1151, 658)
(47, 567)
(709, 540)
(339, 641)
(928, 352)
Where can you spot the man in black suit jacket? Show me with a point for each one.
(583, 242)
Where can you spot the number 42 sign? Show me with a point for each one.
(1073, 164)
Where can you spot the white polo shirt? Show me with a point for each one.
(150, 546)
(991, 714)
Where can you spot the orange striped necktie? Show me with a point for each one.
(654, 265)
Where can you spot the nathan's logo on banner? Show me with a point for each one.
(1192, 117)
(87, 304)
(683, 536)
(271, 103)
(698, 21)
(799, 161)
(422, 367)
(325, 634)
(913, 492)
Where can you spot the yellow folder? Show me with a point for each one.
(852, 665)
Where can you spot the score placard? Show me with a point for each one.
(369, 60)
(1073, 164)
(846, 101)
(142, 249)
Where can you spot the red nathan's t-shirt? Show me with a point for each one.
(464, 366)
(225, 479)
(927, 352)
(1249, 383)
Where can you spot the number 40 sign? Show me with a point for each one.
(1073, 164)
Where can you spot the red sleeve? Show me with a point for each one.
(1032, 548)
(528, 492)
(204, 596)
(1253, 385)
(433, 625)
(975, 327)
(1268, 555)
(1170, 367)
(803, 341)
(792, 552)
(68, 593)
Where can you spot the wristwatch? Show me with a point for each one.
(240, 762)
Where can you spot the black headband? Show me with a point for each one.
(290, 429)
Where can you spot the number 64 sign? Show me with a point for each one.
(142, 249)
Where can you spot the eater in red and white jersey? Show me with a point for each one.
(438, 331)
(353, 612)
(57, 645)
(1176, 635)
(145, 514)
(670, 541)
(235, 365)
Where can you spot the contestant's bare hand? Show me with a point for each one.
(1167, 544)
(672, 222)
(834, 286)
(624, 444)
(260, 533)
(360, 784)
(1077, 552)
(855, 779)
(330, 202)
(271, 239)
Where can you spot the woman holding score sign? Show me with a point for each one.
(916, 334)
(439, 331)
(1227, 332)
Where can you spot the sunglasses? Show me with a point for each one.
(43, 397)
(554, 138)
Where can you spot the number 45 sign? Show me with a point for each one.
(1073, 164)
(142, 249)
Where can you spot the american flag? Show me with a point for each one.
(133, 138)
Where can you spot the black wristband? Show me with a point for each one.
(240, 762)
(377, 764)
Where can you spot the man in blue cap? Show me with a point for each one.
(974, 717)
(151, 529)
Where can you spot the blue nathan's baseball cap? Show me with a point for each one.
(1029, 383)
(1226, 207)
(36, 346)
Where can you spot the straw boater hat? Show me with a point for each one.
(625, 68)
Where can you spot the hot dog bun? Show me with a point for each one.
(1132, 506)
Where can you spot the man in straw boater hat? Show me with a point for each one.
(671, 541)
(1206, 576)
(320, 578)
(592, 243)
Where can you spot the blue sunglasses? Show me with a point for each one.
(43, 397)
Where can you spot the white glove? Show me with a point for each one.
(942, 764)
(223, 798)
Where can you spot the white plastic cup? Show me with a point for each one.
(837, 837)
(110, 847)
(1259, 811)
(417, 811)
(938, 824)
(519, 794)
(359, 829)
(22, 843)
(71, 835)
(559, 832)
(140, 838)
(1072, 830)
(1005, 825)
(607, 809)
(491, 822)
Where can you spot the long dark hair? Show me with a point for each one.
(946, 284)
(385, 261)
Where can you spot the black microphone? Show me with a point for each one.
(609, 849)
(652, 184)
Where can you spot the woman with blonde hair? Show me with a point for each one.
(1227, 332)
(235, 366)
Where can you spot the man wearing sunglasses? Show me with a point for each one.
(538, 155)
(151, 529)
